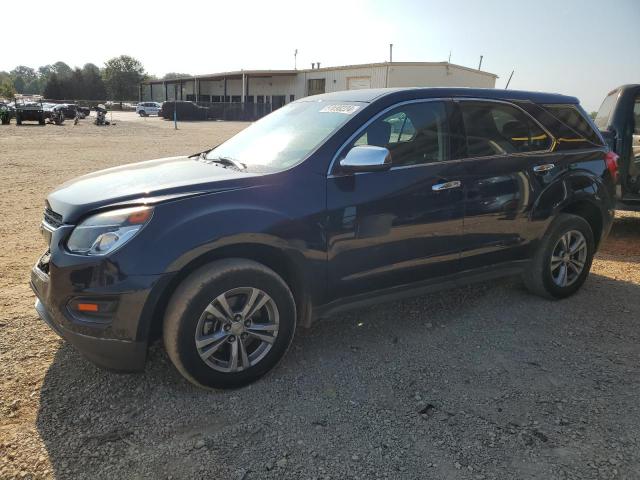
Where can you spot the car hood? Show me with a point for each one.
(147, 182)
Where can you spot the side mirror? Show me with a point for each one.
(366, 158)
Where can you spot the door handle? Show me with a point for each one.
(446, 186)
(544, 168)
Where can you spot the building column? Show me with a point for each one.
(224, 99)
(166, 96)
(151, 92)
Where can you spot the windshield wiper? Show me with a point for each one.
(226, 161)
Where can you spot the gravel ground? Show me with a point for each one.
(483, 382)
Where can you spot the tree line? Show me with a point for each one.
(118, 79)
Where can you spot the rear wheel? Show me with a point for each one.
(143, 113)
(563, 260)
(229, 323)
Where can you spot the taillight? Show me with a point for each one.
(611, 159)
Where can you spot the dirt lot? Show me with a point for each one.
(485, 382)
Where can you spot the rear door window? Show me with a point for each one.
(494, 128)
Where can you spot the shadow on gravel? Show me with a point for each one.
(624, 240)
(484, 381)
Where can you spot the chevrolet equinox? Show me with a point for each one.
(332, 201)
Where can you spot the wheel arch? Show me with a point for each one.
(591, 213)
(278, 260)
(579, 193)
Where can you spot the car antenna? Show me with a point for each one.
(509, 81)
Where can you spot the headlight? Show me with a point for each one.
(105, 232)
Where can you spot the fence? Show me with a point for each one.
(229, 111)
(189, 110)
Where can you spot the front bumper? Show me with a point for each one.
(120, 355)
(117, 341)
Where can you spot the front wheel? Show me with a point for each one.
(563, 260)
(142, 113)
(229, 323)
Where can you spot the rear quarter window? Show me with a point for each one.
(572, 127)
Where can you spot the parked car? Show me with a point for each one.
(144, 109)
(619, 121)
(331, 202)
(71, 110)
(28, 108)
(186, 110)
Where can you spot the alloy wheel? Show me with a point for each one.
(237, 329)
(568, 258)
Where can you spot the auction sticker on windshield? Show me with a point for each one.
(346, 109)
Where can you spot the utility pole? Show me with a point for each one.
(449, 57)
(390, 52)
(175, 106)
(295, 59)
(480, 65)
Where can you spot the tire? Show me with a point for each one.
(18, 120)
(142, 113)
(41, 120)
(186, 316)
(541, 278)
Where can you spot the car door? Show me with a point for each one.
(505, 165)
(402, 225)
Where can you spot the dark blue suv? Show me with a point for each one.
(333, 201)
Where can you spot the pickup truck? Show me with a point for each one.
(619, 122)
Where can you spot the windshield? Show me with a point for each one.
(286, 136)
(602, 118)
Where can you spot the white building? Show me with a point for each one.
(283, 86)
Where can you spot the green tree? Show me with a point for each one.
(62, 69)
(4, 77)
(94, 85)
(122, 76)
(52, 89)
(7, 90)
(174, 76)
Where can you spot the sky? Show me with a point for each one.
(582, 48)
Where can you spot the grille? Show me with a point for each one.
(52, 218)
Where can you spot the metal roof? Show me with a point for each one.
(275, 73)
(399, 64)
